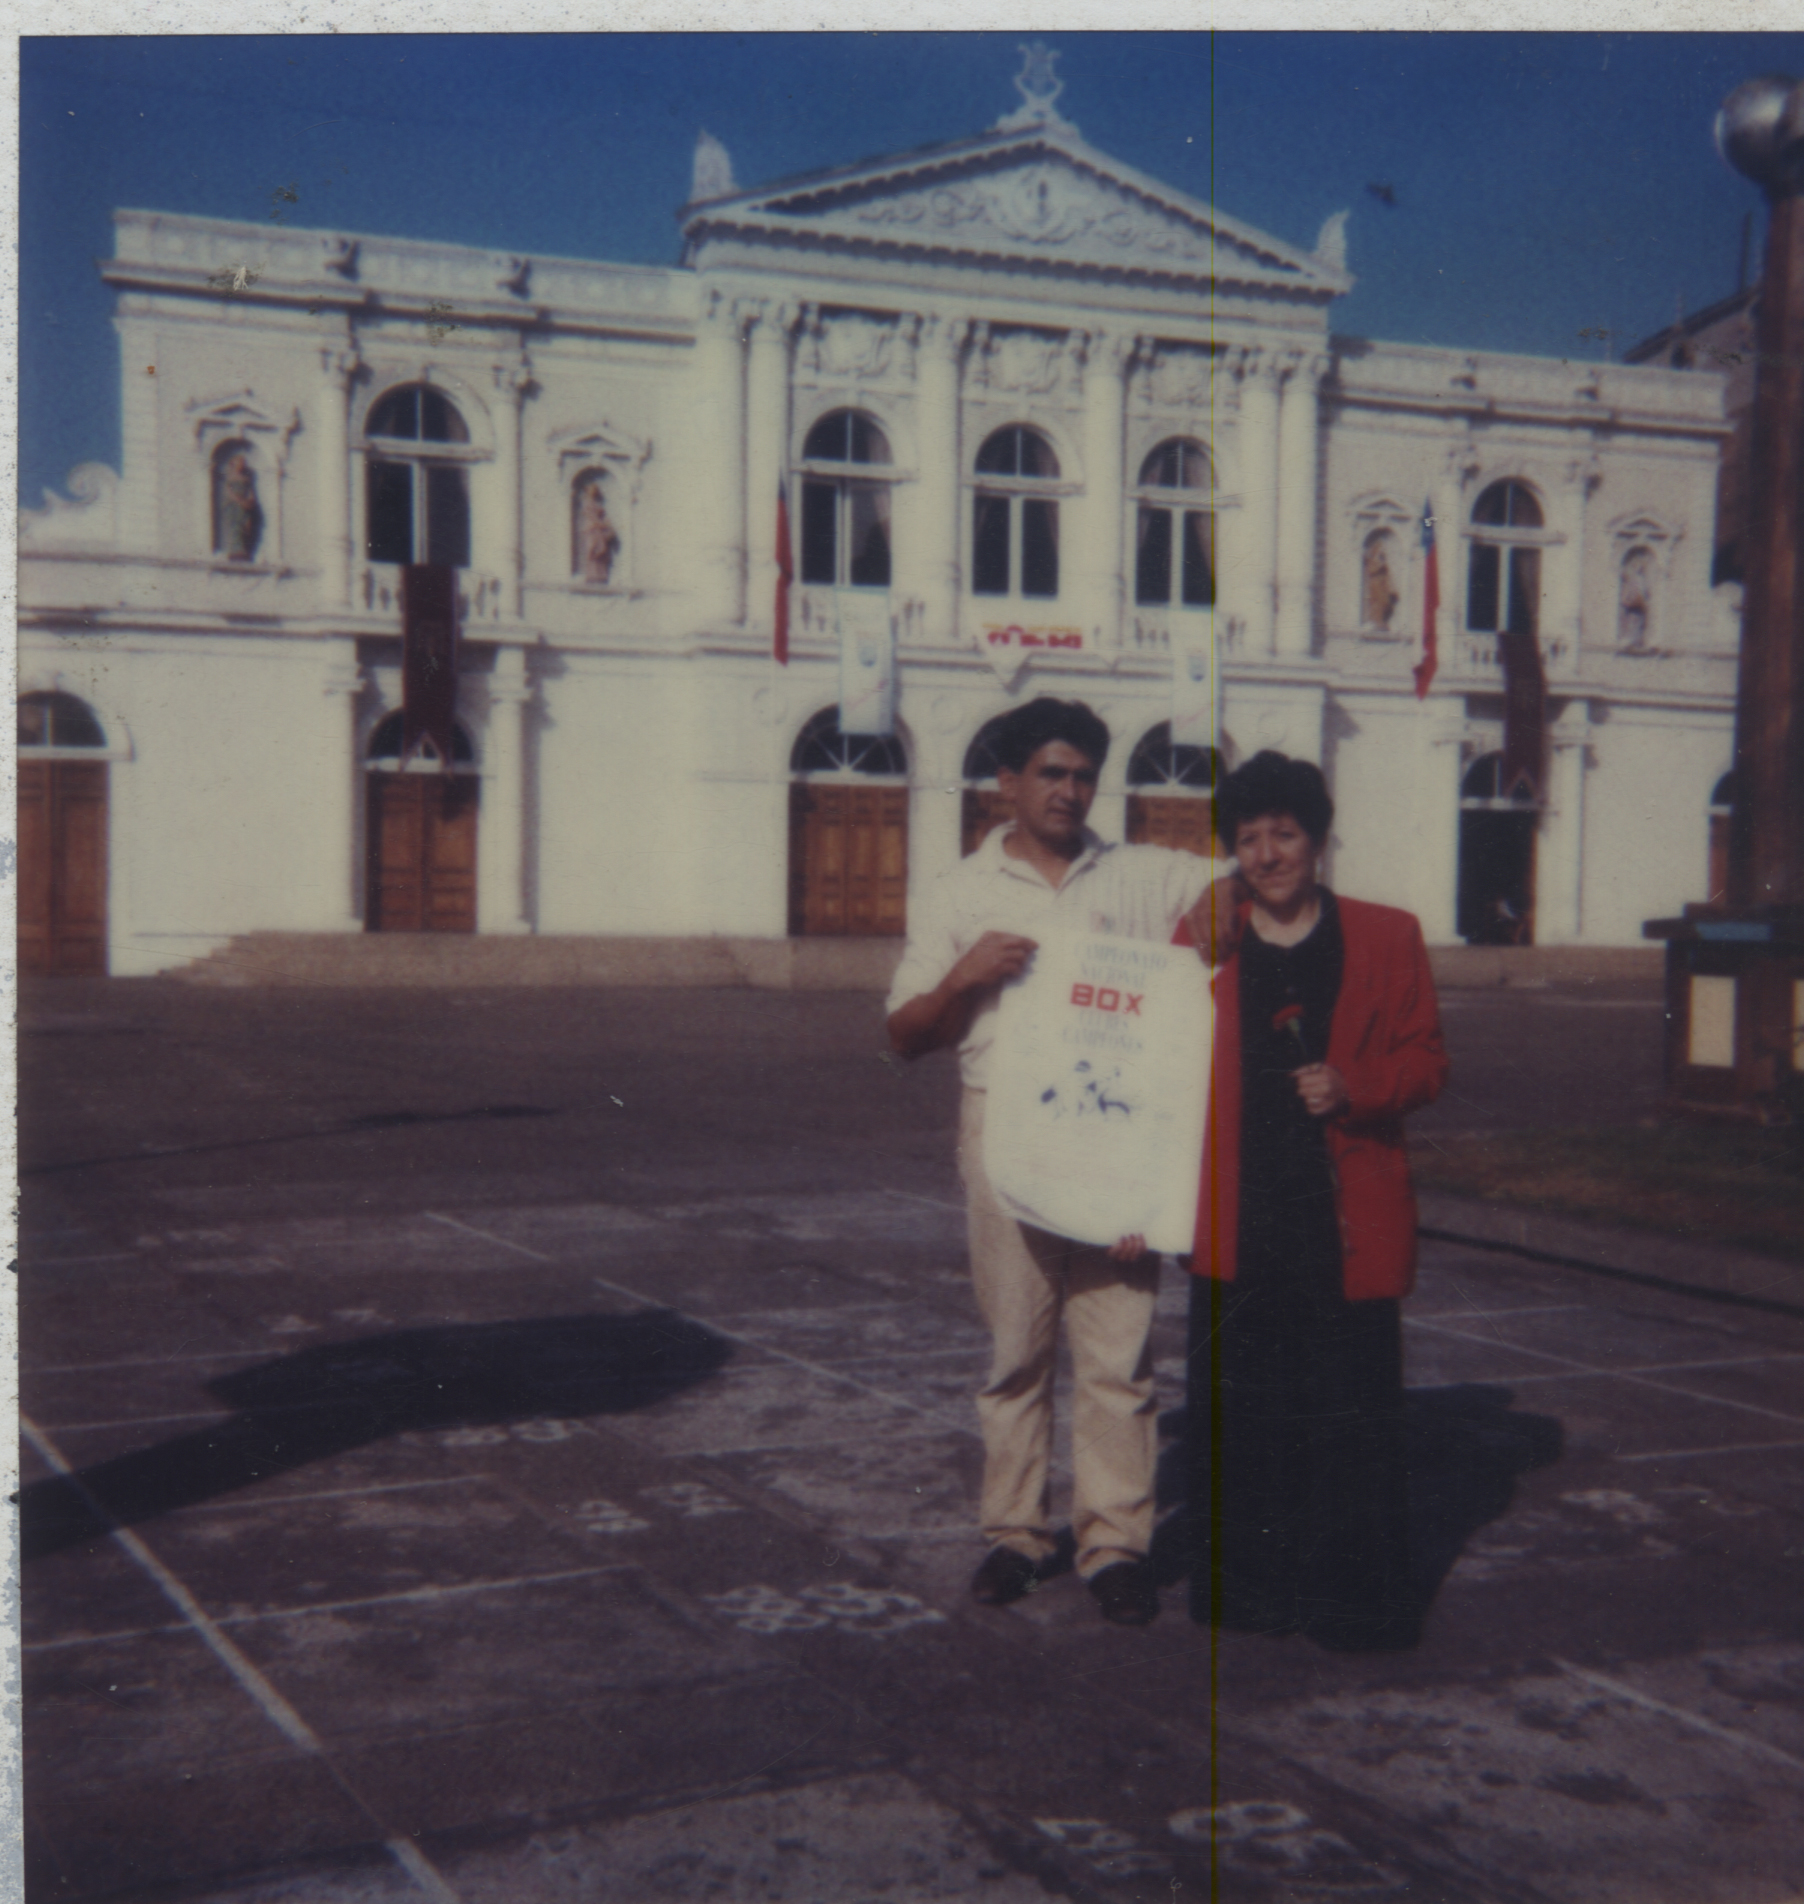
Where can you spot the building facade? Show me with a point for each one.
(1041, 425)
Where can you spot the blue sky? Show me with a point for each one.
(1548, 188)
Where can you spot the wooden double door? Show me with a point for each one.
(62, 866)
(422, 852)
(848, 860)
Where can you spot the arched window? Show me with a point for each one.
(594, 535)
(1159, 766)
(384, 750)
(417, 505)
(982, 804)
(1503, 582)
(237, 511)
(845, 518)
(1495, 898)
(1171, 793)
(1015, 524)
(1174, 549)
(822, 749)
(57, 720)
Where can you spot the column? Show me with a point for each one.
(339, 368)
(501, 821)
(1450, 510)
(336, 818)
(1560, 862)
(1296, 493)
(502, 537)
(713, 510)
(1563, 572)
(1255, 561)
(1110, 359)
(931, 564)
(766, 455)
(1433, 825)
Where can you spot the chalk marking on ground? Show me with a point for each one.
(415, 1594)
(933, 1203)
(333, 1494)
(1691, 1454)
(140, 1421)
(1695, 1720)
(262, 1693)
(147, 1361)
(1672, 1368)
(1487, 1315)
(1617, 1375)
(488, 1236)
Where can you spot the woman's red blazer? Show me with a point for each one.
(1386, 1042)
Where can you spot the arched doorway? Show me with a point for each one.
(62, 836)
(1171, 794)
(1722, 801)
(1496, 903)
(422, 836)
(848, 833)
(983, 806)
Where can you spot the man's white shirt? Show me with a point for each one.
(1126, 892)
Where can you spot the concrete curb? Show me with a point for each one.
(1686, 1264)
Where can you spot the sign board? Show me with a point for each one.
(1008, 647)
(1098, 1090)
(1195, 682)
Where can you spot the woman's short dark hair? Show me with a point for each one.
(1273, 783)
(1023, 731)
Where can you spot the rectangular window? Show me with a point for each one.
(820, 507)
(1199, 559)
(1525, 590)
(1039, 547)
(989, 546)
(447, 515)
(1152, 559)
(1483, 576)
(867, 507)
(388, 511)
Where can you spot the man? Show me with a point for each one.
(1049, 872)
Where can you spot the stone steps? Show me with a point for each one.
(826, 965)
(462, 959)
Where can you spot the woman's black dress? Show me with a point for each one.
(1298, 1508)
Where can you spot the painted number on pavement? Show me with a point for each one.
(1108, 1852)
(872, 1610)
(1263, 1838)
(690, 1500)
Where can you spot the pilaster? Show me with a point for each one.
(1296, 502)
(1252, 572)
(501, 820)
(932, 562)
(769, 328)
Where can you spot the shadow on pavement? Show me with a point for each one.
(336, 1396)
(1467, 1446)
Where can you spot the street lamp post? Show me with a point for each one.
(1735, 973)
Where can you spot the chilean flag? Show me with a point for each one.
(779, 646)
(1431, 603)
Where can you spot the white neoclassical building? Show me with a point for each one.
(1043, 426)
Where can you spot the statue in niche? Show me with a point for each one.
(597, 540)
(1635, 599)
(237, 514)
(1378, 589)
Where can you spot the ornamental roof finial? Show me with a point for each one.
(1039, 87)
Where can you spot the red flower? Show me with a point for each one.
(1288, 1016)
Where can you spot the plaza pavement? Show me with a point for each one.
(538, 1434)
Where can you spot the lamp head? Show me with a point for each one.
(1760, 131)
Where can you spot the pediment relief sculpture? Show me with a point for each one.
(599, 445)
(237, 414)
(1028, 363)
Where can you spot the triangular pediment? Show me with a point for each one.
(1042, 196)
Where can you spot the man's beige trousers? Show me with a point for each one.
(1026, 1279)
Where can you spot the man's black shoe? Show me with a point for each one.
(1127, 1593)
(1004, 1577)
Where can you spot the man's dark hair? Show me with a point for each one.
(1274, 783)
(1023, 731)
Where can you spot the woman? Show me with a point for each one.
(1326, 1034)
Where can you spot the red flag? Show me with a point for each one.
(779, 646)
(428, 658)
(1431, 604)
